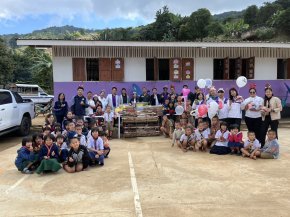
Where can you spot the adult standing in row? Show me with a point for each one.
(79, 104)
(60, 108)
(103, 100)
(271, 113)
(113, 99)
(253, 118)
(234, 108)
(144, 97)
(155, 98)
(124, 98)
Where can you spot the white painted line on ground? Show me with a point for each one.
(16, 184)
(137, 202)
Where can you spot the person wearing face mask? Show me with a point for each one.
(271, 113)
(252, 105)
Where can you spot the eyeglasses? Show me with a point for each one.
(252, 92)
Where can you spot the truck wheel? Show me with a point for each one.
(25, 126)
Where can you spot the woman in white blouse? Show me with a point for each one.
(253, 118)
(234, 106)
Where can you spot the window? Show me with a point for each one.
(149, 69)
(230, 69)
(92, 66)
(17, 97)
(163, 66)
(282, 68)
(218, 69)
(5, 98)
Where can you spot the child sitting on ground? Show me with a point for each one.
(251, 146)
(187, 140)
(45, 131)
(96, 148)
(63, 147)
(79, 133)
(67, 119)
(201, 137)
(107, 148)
(271, 147)
(177, 133)
(78, 157)
(221, 145)
(49, 156)
(235, 140)
(166, 127)
(25, 157)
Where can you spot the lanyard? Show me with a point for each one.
(48, 150)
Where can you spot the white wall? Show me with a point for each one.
(135, 69)
(265, 68)
(62, 69)
(203, 68)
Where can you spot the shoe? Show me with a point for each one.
(101, 164)
(27, 171)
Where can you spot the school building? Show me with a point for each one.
(103, 64)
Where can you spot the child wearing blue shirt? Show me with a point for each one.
(25, 156)
(271, 147)
(96, 147)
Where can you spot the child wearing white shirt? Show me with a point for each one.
(251, 146)
(109, 121)
(221, 145)
(201, 137)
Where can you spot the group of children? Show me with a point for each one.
(219, 139)
(73, 145)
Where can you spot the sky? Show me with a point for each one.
(25, 16)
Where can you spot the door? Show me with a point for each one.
(175, 69)
(6, 111)
(187, 69)
(226, 69)
(79, 69)
(105, 69)
(117, 69)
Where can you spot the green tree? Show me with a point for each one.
(250, 15)
(266, 12)
(198, 24)
(215, 29)
(285, 4)
(42, 70)
(282, 21)
(7, 64)
(235, 29)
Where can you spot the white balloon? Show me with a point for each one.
(208, 83)
(241, 81)
(213, 109)
(201, 83)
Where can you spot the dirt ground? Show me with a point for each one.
(169, 183)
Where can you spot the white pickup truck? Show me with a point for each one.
(16, 113)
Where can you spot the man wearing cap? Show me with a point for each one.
(144, 97)
(165, 95)
(79, 104)
(212, 95)
(223, 111)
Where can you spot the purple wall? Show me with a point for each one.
(70, 88)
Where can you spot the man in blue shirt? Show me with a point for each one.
(79, 104)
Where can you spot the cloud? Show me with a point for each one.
(15, 10)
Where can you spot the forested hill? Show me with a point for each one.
(269, 22)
